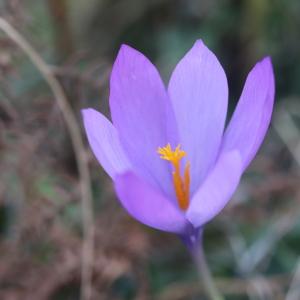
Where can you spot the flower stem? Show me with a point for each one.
(204, 272)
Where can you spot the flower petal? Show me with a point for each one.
(148, 205)
(199, 94)
(104, 141)
(216, 190)
(142, 114)
(252, 115)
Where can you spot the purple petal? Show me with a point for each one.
(199, 94)
(252, 115)
(142, 114)
(104, 141)
(216, 190)
(148, 205)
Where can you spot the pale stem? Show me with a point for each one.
(204, 273)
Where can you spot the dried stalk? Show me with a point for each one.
(80, 153)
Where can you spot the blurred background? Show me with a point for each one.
(253, 247)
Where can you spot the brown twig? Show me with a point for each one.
(80, 153)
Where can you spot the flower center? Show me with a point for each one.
(181, 183)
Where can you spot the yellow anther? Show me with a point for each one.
(168, 154)
(181, 185)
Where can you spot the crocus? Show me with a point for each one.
(173, 163)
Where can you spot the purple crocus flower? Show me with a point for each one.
(173, 165)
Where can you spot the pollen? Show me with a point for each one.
(181, 183)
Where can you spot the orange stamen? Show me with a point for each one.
(181, 185)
